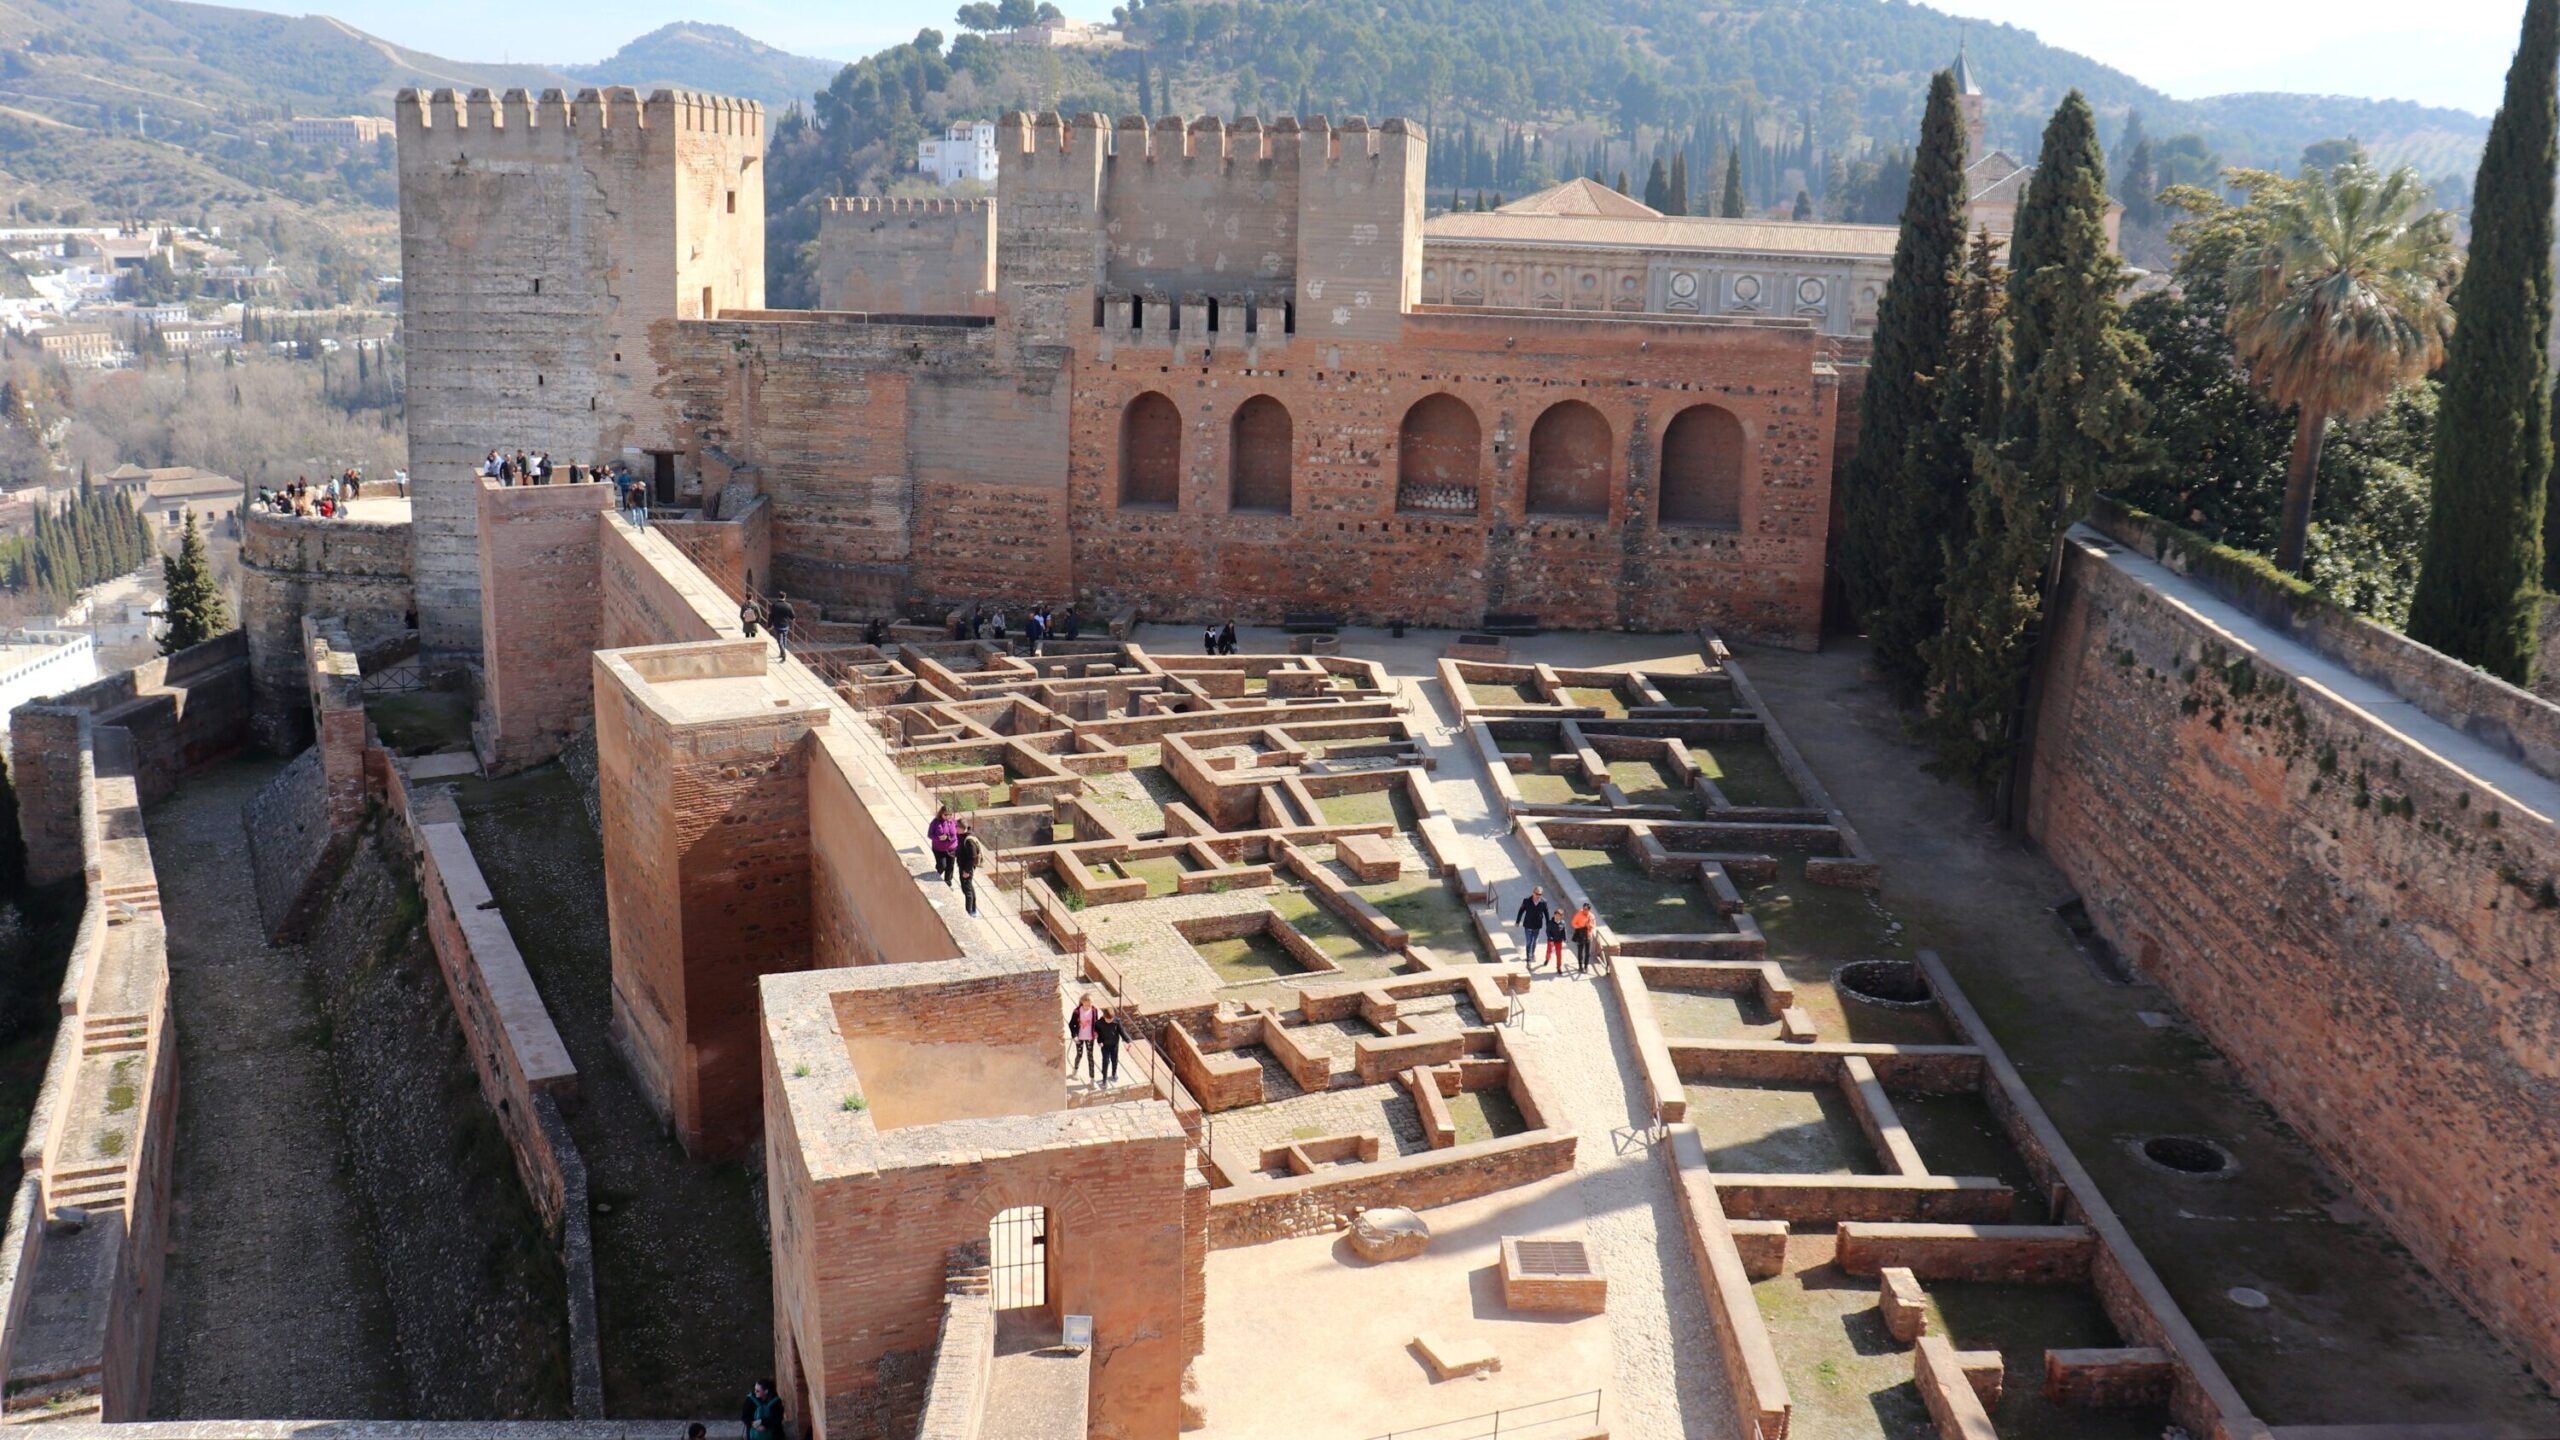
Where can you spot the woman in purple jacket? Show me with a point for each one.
(944, 835)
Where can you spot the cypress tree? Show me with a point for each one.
(2070, 426)
(1898, 487)
(1622, 182)
(2485, 546)
(1804, 206)
(1679, 199)
(197, 611)
(1657, 186)
(1732, 208)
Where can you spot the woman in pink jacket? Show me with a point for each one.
(944, 835)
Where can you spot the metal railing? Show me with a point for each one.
(1566, 1415)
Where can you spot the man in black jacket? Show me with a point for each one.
(778, 615)
(1532, 920)
(967, 857)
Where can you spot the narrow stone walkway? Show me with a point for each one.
(274, 1305)
(1035, 1389)
(1664, 1379)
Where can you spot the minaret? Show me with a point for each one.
(1969, 95)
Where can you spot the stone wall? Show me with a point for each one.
(1310, 1205)
(177, 712)
(354, 570)
(2367, 930)
(907, 257)
(94, 1330)
(539, 572)
(544, 246)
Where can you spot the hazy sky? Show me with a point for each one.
(2186, 47)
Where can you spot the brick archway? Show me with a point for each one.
(1703, 451)
(1569, 462)
(1260, 457)
(1150, 454)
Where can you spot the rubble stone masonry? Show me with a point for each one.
(356, 571)
(2367, 931)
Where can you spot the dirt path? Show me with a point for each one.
(274, 1303)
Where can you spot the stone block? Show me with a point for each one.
(1986, 1372)
(1450, 1359)
(1906, 1310)
(1762, 1244)
(2108, 1378)
(1552, 1273)
(1389, 1232)
(1370, 858)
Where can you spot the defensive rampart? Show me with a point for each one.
(178, 712)
(2337, 849)
(357, 571)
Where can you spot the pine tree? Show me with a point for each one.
(2486, 546)
(1732, 208)
(1678, 200)
(1657, 186)
(197, 611)
(2070, 426)
(1901, 487)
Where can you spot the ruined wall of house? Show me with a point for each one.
(2367, 932)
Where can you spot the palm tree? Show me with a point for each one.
(2342, 301)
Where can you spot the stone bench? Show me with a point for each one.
(1315, 643)
(1511, 622)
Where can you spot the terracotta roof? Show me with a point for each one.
(1667, 232)
(1581, 197)
(183, 483)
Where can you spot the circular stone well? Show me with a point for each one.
(2186, 1155)
(1891, 984)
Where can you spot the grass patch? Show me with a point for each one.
(1388, 805)
(1163, 873)
(1650, 782)
(1431, 913)
(1547, 788)
(1610, 704)
(1248, 959)
(1485, 1115)
(1634, 903)
(1747, 771)
(1485, 693)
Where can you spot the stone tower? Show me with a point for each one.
(546, 247)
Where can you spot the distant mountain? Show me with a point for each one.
(2437, 141)
(690, 56)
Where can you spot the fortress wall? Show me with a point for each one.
(1345, 547)
(2365, 930)
(355, 570)
(1197, 208)
(178, 713)
(539, 569)
(905, 257)
(896, 457)
(542, 245)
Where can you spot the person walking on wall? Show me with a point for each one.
(762, 1414)
(943, 834)
(1534, 914)
(1584, 923)
(1555, 939)
(778, 615)
(748, 617)
(1227, 638)
(1110, 1031)
(1084, 1027)
(965, 855)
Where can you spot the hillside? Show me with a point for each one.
(112, 108)
(687, 56)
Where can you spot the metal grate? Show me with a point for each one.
(1018, 1257)
(1553, 1257)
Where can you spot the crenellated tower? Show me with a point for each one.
(546, 244)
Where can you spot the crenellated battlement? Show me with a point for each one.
(869, 205)
(1207, 137)
(591, 111)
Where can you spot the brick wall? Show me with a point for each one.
(178, 713)
(2359, 926)
(540, 576)
(353, 570)
(911, 257)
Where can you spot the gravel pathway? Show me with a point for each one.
(1666, 1378)
(274, 1304)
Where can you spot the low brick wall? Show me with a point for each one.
(178, 714)
(1310, 1205)
(2007, 1254)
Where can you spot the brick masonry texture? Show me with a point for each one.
(966, 433)
(2363, 928)
(539, 573)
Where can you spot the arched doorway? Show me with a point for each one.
(1702, 454)
(1150, 454)
(1258, 457)
(1018, 1258)
(1437, 451)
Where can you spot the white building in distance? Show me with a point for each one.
(966, 151)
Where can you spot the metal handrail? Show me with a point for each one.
(1510, 1420)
